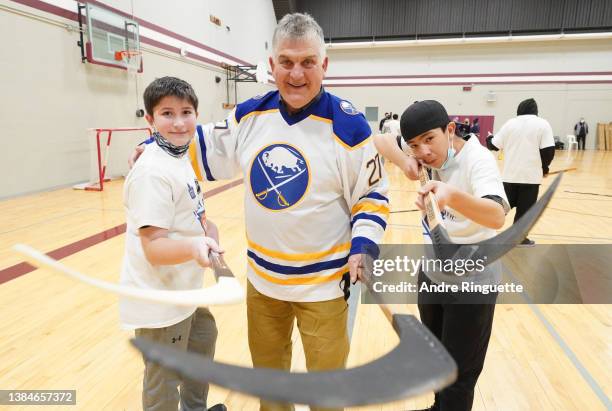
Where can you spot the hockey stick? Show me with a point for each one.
(419, 363)
(226, 291)
(561, 171)
(432, 213)
(488, 250)
(409, 210)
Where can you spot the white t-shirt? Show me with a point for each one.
(160, 191)
(385, 126)
(394, 127)
(521, 138)
(473, 171)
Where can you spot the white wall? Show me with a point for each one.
(545, 56)
(251, 22)
(50, 98)
(561, 104)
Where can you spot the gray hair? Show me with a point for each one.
(298, 26)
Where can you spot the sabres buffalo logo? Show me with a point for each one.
(348, 108)
(279, 176)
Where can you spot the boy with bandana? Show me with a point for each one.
(168, 240)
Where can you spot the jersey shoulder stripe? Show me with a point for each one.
(349, 124)
(268, 101)
(202, 145)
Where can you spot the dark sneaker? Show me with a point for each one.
(526, 243)
(218, 407)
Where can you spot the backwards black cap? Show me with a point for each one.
(422, 116)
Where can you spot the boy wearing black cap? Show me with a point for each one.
(529, 147)
(469, 190)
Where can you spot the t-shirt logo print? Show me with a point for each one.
(279, 176)
(191, 191)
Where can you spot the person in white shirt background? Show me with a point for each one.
(529, 148)
(393, 126)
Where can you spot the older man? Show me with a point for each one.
(315, 196)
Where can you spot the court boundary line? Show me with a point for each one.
(569, 353)
(22, 268)
(59, 217)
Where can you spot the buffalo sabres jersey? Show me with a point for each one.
(315, 190)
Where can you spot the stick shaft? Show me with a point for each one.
(562, 170)
(386, 309)
(433, 218)
(431, 206)
(219, 266)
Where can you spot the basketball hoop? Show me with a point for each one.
(132, 59)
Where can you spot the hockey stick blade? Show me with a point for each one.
(496, 247)
(226, 291)
(418, 365)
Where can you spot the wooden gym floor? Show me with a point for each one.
(59, 334)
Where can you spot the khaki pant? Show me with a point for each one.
(322, 326)
(197, 333)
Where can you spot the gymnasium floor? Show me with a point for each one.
(59, 334)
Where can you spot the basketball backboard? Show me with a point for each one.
(112, 39)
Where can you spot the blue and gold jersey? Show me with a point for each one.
(315, 190)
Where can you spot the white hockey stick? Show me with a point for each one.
(226, 291)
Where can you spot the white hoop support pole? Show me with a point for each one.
(226, 291)
(261, 72)
(106, 155)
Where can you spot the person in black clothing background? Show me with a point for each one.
(382, 122)
(581, 129)
(475, 127)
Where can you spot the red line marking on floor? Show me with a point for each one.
(22, 268)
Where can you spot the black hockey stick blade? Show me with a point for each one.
(496, 247)
(418, 364)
